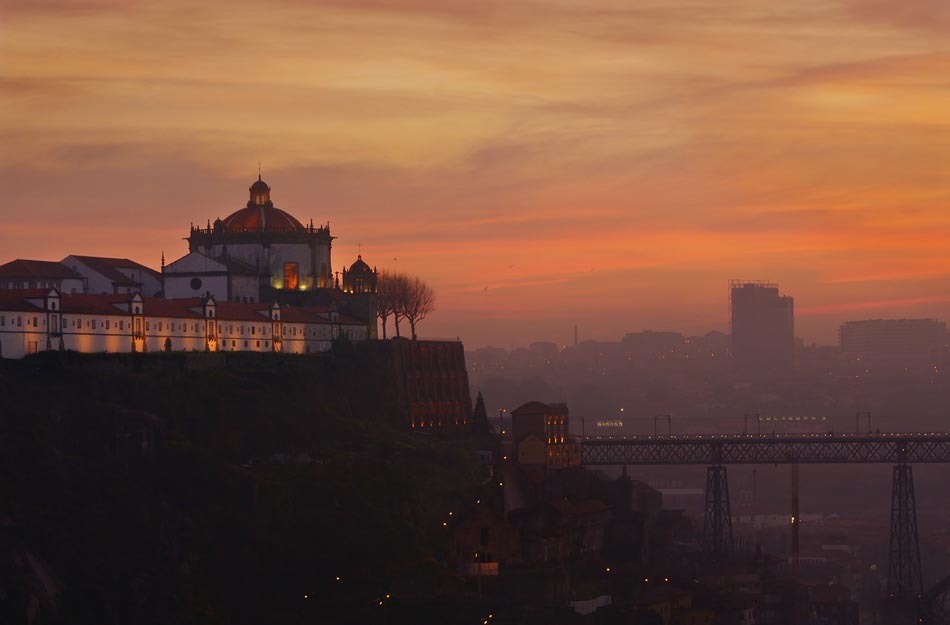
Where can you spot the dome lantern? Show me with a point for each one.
(260, 193)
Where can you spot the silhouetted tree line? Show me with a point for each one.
(403, 297)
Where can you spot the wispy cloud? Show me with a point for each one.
(569, 155)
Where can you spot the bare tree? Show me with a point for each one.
(419, 302)
(386, 298)
(401, 296)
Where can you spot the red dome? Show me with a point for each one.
(263, 218)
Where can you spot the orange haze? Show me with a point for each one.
(540, 162)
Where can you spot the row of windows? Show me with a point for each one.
(33, 285)
(16, 321)
(224, 344)
(109, 324)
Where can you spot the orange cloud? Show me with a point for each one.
(539, 162)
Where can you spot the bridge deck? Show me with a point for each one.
(823, 448)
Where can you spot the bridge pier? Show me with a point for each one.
(717, 520)
(904, 579)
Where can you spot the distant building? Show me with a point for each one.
(483, 542)
(894, 342)
(540, 433)
(40, 274)
(114, 275)
(763, 328)
(649, 345)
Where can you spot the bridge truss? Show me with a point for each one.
(901, 450)
(754, 449)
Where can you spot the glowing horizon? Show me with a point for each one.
(541, 164)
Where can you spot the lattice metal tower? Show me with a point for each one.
(904, 579)
(717, 523)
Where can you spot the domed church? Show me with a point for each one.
(261, 253)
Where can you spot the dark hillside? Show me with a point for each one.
(263, 479)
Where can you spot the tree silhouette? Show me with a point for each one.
(480, 425)
(402, 296)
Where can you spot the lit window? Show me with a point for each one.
(290, 276)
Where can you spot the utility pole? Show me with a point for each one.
(669, 425)
(478, 564)
(796, 518)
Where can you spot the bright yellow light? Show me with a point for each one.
(607, 570)
(444, 523)
(306, 596)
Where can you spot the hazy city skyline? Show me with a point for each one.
(540, 164)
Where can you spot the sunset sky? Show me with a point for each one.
(541, 163)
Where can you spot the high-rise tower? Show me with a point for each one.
(763, 328)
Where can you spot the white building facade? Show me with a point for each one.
(35, 320)
(114, 275)
(255, 250)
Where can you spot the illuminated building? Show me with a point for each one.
(261, 253)
(254, 250)
(430, 382)
(541, 434)
(35, 320)
(360, 286)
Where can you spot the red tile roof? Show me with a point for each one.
(94, 304)
(183, 308)
(109, 267)
(303, 315)
(17, 300)
(24, 268)
(238, 311)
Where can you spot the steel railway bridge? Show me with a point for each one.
(716, 451)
